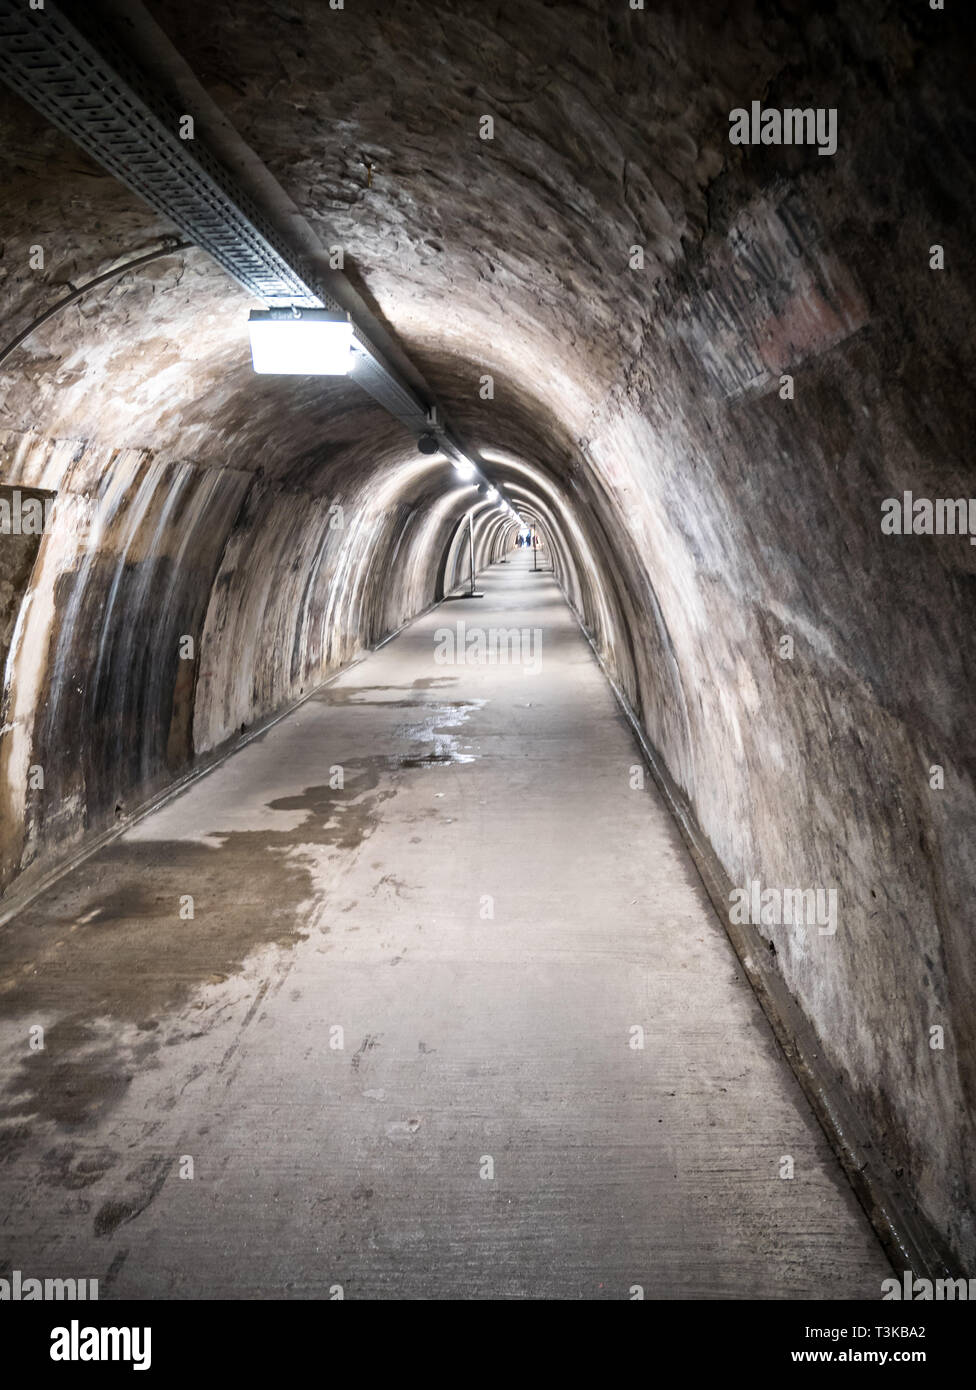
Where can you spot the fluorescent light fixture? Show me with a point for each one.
(300, 342)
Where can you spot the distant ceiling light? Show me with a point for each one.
(427, 444)
(300, 342)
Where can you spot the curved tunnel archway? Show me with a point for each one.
(221, 544)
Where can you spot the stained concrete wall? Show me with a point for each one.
(694, 516)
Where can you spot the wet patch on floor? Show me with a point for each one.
(439, 757)
(145, 1181)
(76, 1168)
(368, 695)
(118, 946)
(120, 960)
(438, 745)
(396, 697)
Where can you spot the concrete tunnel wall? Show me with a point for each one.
(694, 517)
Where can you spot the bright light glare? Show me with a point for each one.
(465, 469)
(492, 494)
(316, 344)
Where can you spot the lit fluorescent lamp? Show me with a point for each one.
(302, 342)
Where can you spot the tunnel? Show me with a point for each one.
(496, 820)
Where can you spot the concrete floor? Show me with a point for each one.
(466, 1035)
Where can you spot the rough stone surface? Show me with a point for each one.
(696, 517)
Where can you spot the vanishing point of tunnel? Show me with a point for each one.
(487, 595)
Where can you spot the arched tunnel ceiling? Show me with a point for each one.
(694, 515)
(506, 256)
